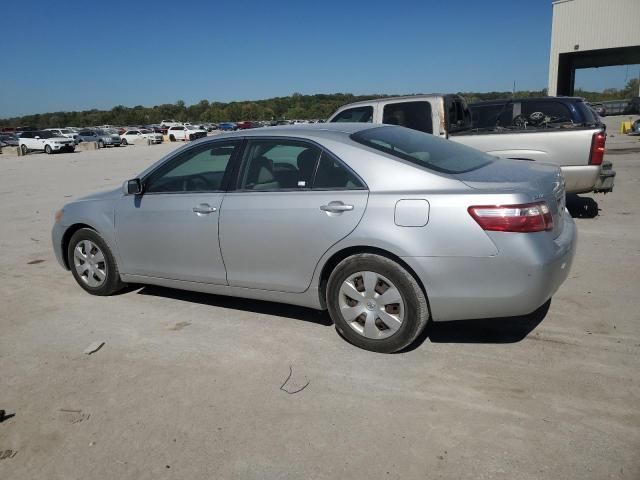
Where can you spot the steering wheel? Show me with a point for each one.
(195, 183)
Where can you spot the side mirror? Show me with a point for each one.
(37, 137)
(132, 187)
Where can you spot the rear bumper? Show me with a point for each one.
(527, 271)
(605, 179)
(580, 179)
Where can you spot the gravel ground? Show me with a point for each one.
(189, 385)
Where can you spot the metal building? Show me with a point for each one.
(591, 33)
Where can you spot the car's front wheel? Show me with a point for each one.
(92, 263)
(48, 150)
(24, 149)
(375, 303)
(124, 142)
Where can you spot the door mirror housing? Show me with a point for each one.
(132, 187)
(37, 137)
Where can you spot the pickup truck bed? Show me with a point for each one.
(569, 147)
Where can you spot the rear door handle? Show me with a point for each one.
(336, 207)
(204, 208)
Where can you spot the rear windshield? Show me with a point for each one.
(423, 150)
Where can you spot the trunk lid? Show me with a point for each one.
(541, 181)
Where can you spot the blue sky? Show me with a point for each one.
(79, 55)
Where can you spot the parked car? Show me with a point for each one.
(170, 123)
(227, 126)
(8, 140)
(103, 138)
(577, 145)
(384, 226)
(599, 109)
(157, 129)
(48, 142)
(134, 136)
(247, 125)
(64, 132)
(183, 132)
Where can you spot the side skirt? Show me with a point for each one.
(308, 299)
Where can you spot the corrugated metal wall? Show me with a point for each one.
(591, 24)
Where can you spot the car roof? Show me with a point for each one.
(303, 130)
(502, 101)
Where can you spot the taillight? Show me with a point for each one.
(597, 148)
(530, 217)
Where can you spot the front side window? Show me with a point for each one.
(358, 115)
(492, 116)
(414, 115)
(423, 150)
(200, 169)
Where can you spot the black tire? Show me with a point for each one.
(124, 142)
(100, 144)
(24, 149)
(112, 282)
(416, 313)
(172, 138)
(48, 150)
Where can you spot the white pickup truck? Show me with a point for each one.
(577, 148)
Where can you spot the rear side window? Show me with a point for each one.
(423, 150)
(414, 115)
(358, 114)
(556, 111)
(333, 175)
(586, 113)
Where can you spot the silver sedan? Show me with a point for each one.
(385, 227)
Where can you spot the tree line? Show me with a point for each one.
(296, 106)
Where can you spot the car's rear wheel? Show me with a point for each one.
(100, 144)
(24, 149)
(92, 263)
(48, 150)
(172, 138)
(375, 303)
(124, 142)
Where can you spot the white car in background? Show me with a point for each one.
(170, 123)
(65, 132)
(46, 141)
(187, 132)
(140, 135)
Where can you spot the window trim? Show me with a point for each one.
(242, 162)
(226, 178)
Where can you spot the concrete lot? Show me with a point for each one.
(188, 386)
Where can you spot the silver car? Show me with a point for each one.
(385, 227)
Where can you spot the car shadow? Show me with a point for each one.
(486, 330)
(247, 305)
(582, 207)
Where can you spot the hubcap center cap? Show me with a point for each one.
(371, 305)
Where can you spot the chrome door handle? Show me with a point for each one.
(204, 208)
(336, 207)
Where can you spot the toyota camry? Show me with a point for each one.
(387, 228)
